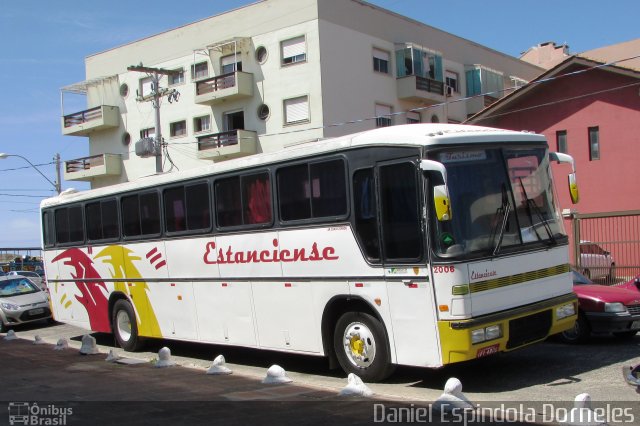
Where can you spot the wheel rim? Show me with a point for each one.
(124, 326)
(359, 345)
(573, 333)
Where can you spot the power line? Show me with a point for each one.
(25, 195)
(26, 167)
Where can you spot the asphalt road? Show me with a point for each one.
(549, 371)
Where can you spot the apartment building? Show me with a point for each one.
(273, 74)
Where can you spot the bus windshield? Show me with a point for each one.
(501, 200)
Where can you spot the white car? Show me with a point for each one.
(596, 262)
(33, 276)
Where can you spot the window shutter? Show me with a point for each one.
(146, 86)
(228, 60)
(381, 54)
(297, 109)
(294, 47)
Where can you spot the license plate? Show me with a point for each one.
(489, 350)
(635, 325)
(36, 311)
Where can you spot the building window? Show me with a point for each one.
(294, 50)
(594, 143)
(413, 117)
(263, 112)
(146, 86)
(561, 141)
(296, 110)
(383, 115)
(148, 133)
(517, 82)
(435, 119)
(452, 82)
(419, 62)
(177, 78)
(482, 81)
(381, 61)
(230, 64)
(199, 70)
(202, 124)
(178, 129)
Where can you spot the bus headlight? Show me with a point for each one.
(614, 307)
(565, 311)
(487, 333)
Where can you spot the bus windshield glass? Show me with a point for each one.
(501, 200)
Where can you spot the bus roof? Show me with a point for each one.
(431, 134)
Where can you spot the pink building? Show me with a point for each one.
(589, 107)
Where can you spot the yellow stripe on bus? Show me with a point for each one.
(518, 278)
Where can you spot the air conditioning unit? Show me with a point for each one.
(450, 91)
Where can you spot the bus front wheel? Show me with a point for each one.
(125, 327)
(361, 346)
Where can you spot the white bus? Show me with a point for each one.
(421, 245)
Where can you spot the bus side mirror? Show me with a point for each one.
(573, 183)
(441, 201)
(573, 189)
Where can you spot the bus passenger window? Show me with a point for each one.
(294, 192)
(227, 197)
(174, 209)
(198, 213)
(257, 199)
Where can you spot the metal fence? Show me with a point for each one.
(606, 246)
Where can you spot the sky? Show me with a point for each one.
(44, 43)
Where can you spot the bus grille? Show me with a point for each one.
(529, 329)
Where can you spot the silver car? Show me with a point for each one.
(33, 276)
(21, 301)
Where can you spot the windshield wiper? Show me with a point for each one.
(536, 209)
(504, 209)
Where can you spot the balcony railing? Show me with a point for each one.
(88, 168)
(218, 140)
(214, 84)
(84, 122)
(222, 87)
(429, 85)
(83, 117)
(226, 145)
(417, 88)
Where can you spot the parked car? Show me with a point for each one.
(21, 301)
(596, 262)
(33, 276)
(604, 309)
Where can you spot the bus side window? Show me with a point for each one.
(365, 210)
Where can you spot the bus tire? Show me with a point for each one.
(361, 346)
(125, 326)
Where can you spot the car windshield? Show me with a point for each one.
(501, 199)
(579, 279)
(17, 287)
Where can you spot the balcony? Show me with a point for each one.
(227, 145)
(420, 89)
(478, 103)
(88, 168)
(224, 87)
(84, 122)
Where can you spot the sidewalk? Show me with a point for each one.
(112, 393)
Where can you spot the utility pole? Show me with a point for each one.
(155, 96)
(58, 181)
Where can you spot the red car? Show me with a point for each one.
(605, 309)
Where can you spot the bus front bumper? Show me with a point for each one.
(463, 340)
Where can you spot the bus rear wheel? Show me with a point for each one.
(361, 346)
(125, 326)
